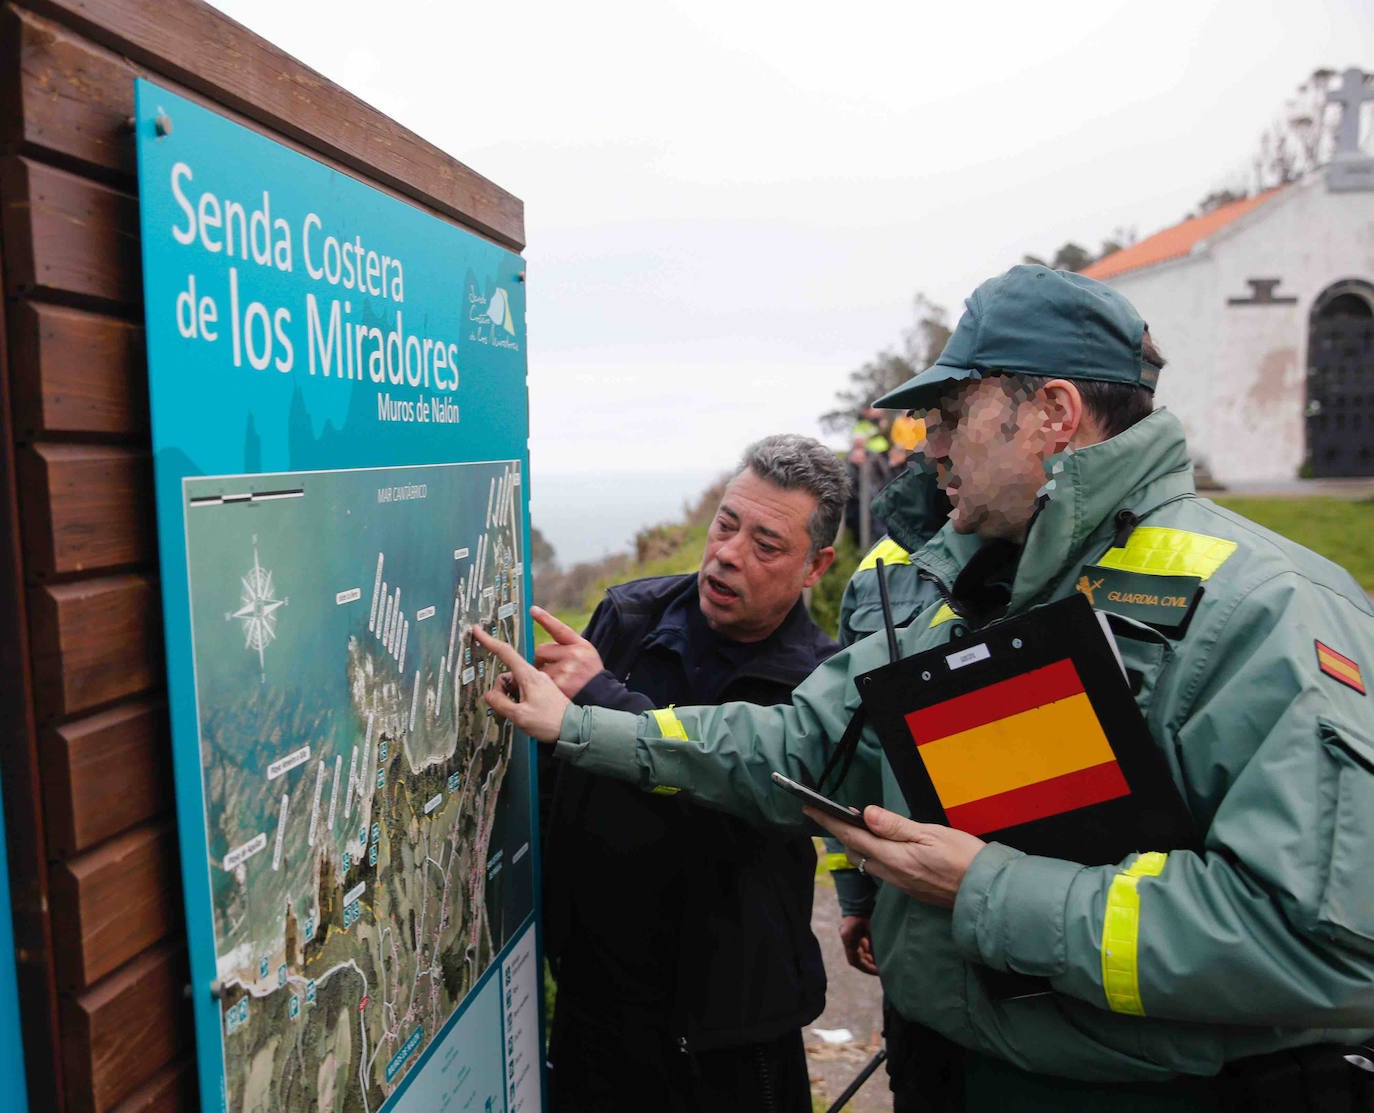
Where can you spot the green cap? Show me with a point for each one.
(1036, 321)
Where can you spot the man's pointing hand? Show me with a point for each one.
(524, 695)
(570, 660)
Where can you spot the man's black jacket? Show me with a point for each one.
(747, 967)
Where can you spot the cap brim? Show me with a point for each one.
(923, 392)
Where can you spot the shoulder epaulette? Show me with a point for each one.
(1161, 551)
(886, 550)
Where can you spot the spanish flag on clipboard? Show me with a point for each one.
(1016, 751)
(1026, 733)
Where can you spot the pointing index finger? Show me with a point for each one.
(557, 629)
(507, 654)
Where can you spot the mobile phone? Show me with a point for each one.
(824, 803)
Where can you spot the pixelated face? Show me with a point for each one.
(758, 558)
(988, 439)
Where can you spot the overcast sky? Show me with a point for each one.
(729, 206)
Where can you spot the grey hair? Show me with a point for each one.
(794, 462)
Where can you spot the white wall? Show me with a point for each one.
(1175, 299)
(1236, 374)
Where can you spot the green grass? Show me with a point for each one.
(1340, 530)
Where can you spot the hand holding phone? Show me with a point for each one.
(810, 796)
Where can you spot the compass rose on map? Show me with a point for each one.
(258, 608)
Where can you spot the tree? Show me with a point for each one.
(543, 559)
(1303, 137)
(920, 346)
(1217, 198)
(1120, 237)
(1074, 257)
(1300, 139)
(1071, 257)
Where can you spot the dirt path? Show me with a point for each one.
(854, 1001)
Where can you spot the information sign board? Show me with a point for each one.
(340, 427)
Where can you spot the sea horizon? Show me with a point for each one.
(589, 515)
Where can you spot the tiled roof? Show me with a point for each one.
(1176, 241)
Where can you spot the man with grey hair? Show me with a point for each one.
(681, 936)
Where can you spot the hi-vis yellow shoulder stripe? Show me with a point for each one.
(886, 550)
(1121, 934)
(669, 726)
(1160, 551)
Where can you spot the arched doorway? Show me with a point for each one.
(1340, 381)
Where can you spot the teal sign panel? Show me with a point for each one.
(11, 1039)
(340, 428)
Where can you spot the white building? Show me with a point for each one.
(1264, 309)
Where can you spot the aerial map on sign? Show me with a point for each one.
(352, 771)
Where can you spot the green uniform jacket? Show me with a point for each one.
(914, 513)
(1264, 940)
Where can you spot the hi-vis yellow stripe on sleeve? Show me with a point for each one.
(669, 726)
(838, 861)
(1159, 551)
(1121, 934)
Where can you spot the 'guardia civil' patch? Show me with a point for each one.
(1163, 601)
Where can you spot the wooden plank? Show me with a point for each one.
(121, 1032)
(171, 1090)
(10, 96)
(22, 787)
(94, 641)
(85, 508)
(66, 234)
(77, 372)
(67, 95)
(191, 43)
(113, 902)
(73, 100)
(104, 774)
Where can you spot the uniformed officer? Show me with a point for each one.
(1183, 979)
(914, 508)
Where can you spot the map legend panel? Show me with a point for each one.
(521, 1004)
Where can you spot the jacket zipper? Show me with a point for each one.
(945, 594)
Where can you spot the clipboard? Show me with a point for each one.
(1025, 732)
